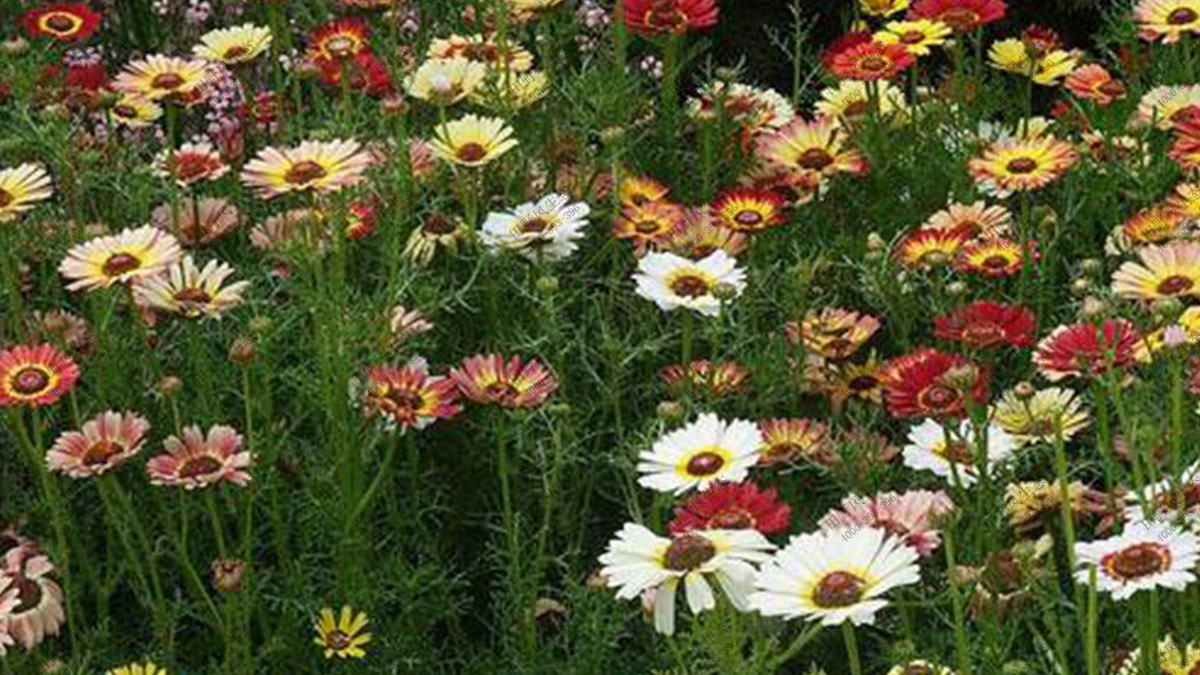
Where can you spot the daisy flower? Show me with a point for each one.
(652, 17)
(119, 258)
(1034, 418)
(1168, 499)
(489, 379)
(850, 102)
(39, 611)
(8, 601)
(920, 667)
(697, 236)
(1172, 660)
(473, 141)
(1170, 271)
(926, 249)
(929, 383)
(1086, 350)
(977, 220)
(138, 669)
(748, 210)
(319, 166)
(638, 561)
(929, 450)
(135, 112)
(338, 40)
(62, 21)
(815, 150)
(861, 381)
(650, 223)
(199, 462)
(21, 188)
(790, 440)
(696, 456)
(196, 222)
(910, 517)
(408, 397)
(732, 506)
(882, 7)
(752, 108)
(436, 232)
(833, 333)
(481, 48)
(871, 61)
(546, 229)
(190, 164)
(1168, 105)
(35, 376)
(190, 291)
(672, 282)
(342, 636)
(834, 576)
(104, 443)
(994, 258)
(444, 82)
(162, 78)
(1022, 164)
(963, 16)
(235, 45)
(918, 37)
(1167, 20)
(985, 324)
(1047, 69)
(1094, 83)
(1152, 226)
(639, 190)
(1145, 556)
(1028, 505)
(702, 376)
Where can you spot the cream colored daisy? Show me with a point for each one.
(1170, 271)
(21, 188)
(1167, 105)
(159, 77)
(473, 141)
(1034, 419)
(444, 82)
(119, 258)
(235, 45)
(318, 166)
(189, 291)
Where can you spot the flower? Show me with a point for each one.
(191, 292)
(985, 324)
(995, 258)
(319, 166)
(407, 396)
(811, 151)
(748, 210)
(39, 609)
(546, 229)
(920, 667)
(789, 440)
(407, 323)
(512, 384)
(963, 16)
(1186, 150)
(444, 82)
(905, 516)
(35, 376)
(929, 383)
(364, 72)
(833, 333)
(1034, 419)
(62, 21)
(1168, 499)
(104, 443)
(234, 45)
(473, 141)
(1169, 271)
(871, 61)
(1087, 350)
(190, 164)
(834, 576)
(21, 188)
(1152, 226)
(1014, 55)
(882, 7)
(200, 462)
(139, 669)
(638, 561)
(198, 222)
(1167, 20)
(1020, 165)
(1145, 556)
(651, 17)
(339, 40)
(926, 249)
(715, 379)
(946, 450)
(977, 220)
(1172, 660)
(850, 101)
(8, 601)
(135, 112)
(484, 49)
(650, 223)
(159, 78)
(671, 281)
(119, 258)
(1094, 83)
(704, 452)
(732, 506)
(435, 232)
(1166, 106)
(854, 380)
(1028, 504)
(918, 37)
(342, 637)
(752, 108)
(639, 190)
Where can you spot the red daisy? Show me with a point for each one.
(732, 506)
(985, 324)
(844, 43)
(367, 73)
(63, 22)
(341, 39)
(929, 383)
(407, 396)
(963, 16)
(870, 61)
(363, 217)
(748, 210)
(1085, 349)
(512, 384)
(1186, 150)
(651, 17)
(35, 376)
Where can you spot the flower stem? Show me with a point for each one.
(851, 647)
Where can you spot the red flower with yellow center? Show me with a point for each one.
(338, 40)
(639, 190)
(653, 17)
(985, 324)
(511, 384)
(748, 210)
(1094, 83)
(651, 222)
(790, 440)
(929, 383)
(1088, 350)
(716, 379)
(995, 258)
(1186, 150)
(732, 506)
(407, 396)
(35, 376)
(929, 249)
(963, 16)
(832, 333)
(62, 22)
(871, 61)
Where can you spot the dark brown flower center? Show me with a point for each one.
(647, 226)
(938, 397)
(1136, 561)
(167, 81)
(438, 224)
(125, 111)
(1022, 165)
(856, 109)
(748, 218)
(502, 391)
(193, 295)
(101, 452)
(815, 159)
(1112, 88)
(732, 519)
(236, 51)
(471, 152)
(783, 451)
(863, 384)
(481, 52)
(189, 168)
(30, 380)
(305, 172)
(1175, 285)
(996, 261)
(688, 552)
(839, 589)
(956, 452)
(61, 23)
(120, 263)
(337, 640)
(29, 594)
(6, 198)
(1181, 16)
(912, 37)
(535, 225)
(702, 251)
(960, 19)
(199, 466)
(874, 63)
(690, 286)
(705, 464)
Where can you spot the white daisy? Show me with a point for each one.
(700, 454)
(638, 560)
(1164, 499)
(547, 229)
(835, 575)
(673, 281)
(1146, 555)
(927, 450)
(446, 81)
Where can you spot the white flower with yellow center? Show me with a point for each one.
(546, 229)
(119, 258)
(638, 561)
(703, 452)
(835, 576)
(190, 291)
(20, 188)
(945, 450)
(444, 82)
(672, 281)
(1148, 554)
(235, 45)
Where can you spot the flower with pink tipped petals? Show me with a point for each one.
(198, 462)
(105, 442)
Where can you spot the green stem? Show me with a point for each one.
(851, 647)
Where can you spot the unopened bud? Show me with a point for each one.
(170, 385)
(875, 242)
(547, 284)
(612, 135)
(1024, 390)
(14, 47)
(241, 352)
(394, 104)
(1091, 267)
(229, 574)
(670, 411)
(1093, 307)
(1080, 287)
(956, 288)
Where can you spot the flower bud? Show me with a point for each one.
(875, 242)
(1080, 287)
(956, 288)
(1024, 390)
(14, 47)
(1091, 267)
(1093, 307)
(670, 411)
(548, 285)
(170, 385)
(241, 352)
(229, 574)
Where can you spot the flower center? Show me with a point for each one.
(748, 218)
(874, 63)
(125, 111)
(856, 109)
(732, 519)
(705, 464)
(839, 589)
(996, 261)
(438, 224)
(167, 81)
(783, 451)
(338, 640)
(101, 452)
(665, 15)
(120, 263)
(340, 46)
(702, 251)
(815, 159)
(959, 18)
(646, 226)
(193, 295)
(29, 594)
(915, 670)
(688, 552)
(1191, 498)
(1022, 165)
(471, 152)
(938, 397)
(1181, 16)
(481, 52)
(6, 198)
(983, 334)
(912, 37)
(30, 380)
(235, 51)
(863, 383)
(191, 167)
(957, 452)
(535, 225)
(690, 286)
(61, 23)
(199, 466)
(1175, 285)
(502, 391)
(1112, 88)
(1138, 560)
(305, 172)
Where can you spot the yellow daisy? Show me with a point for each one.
(1168, 105)
(916, 36)
(21, 188)
(126, 256)
(882, 7)
(1014, 56)
(159, 77)
(239, 44)
(1022, 164)
(139, 669)
(1170, 271)
(342, 637)
(313, 165)
(135, 112)
(473, 140)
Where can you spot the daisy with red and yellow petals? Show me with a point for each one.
(1167, 20)
(62, 21)
(104, 443)
(1153, 226)
(697, 236)
(1170, 271)
(406, 396)
(791, 440)
(639, 190)
(978, 220)
(748, 210)
(317, 166)
(918, 37)
(1095, 83)
(119, 258)
(339, 40)
(489, 379)
(199, 462)
(1168, 105)
(871, 61)
(235, 45)
(811, 150)
(832, 333)
(1087, 350)
(1019, 165)
(930, 249)
(35, 376)
(985, 324)
(190, 291)
(963, 16)
(192, 163)
(473, 141)
(997, 257)
(342, 637)
(649, 223)
(21, 188)
(654, 17)
(162, 78)
(1186, 150)
(929, 383)
(714, 379)
(732, 506)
